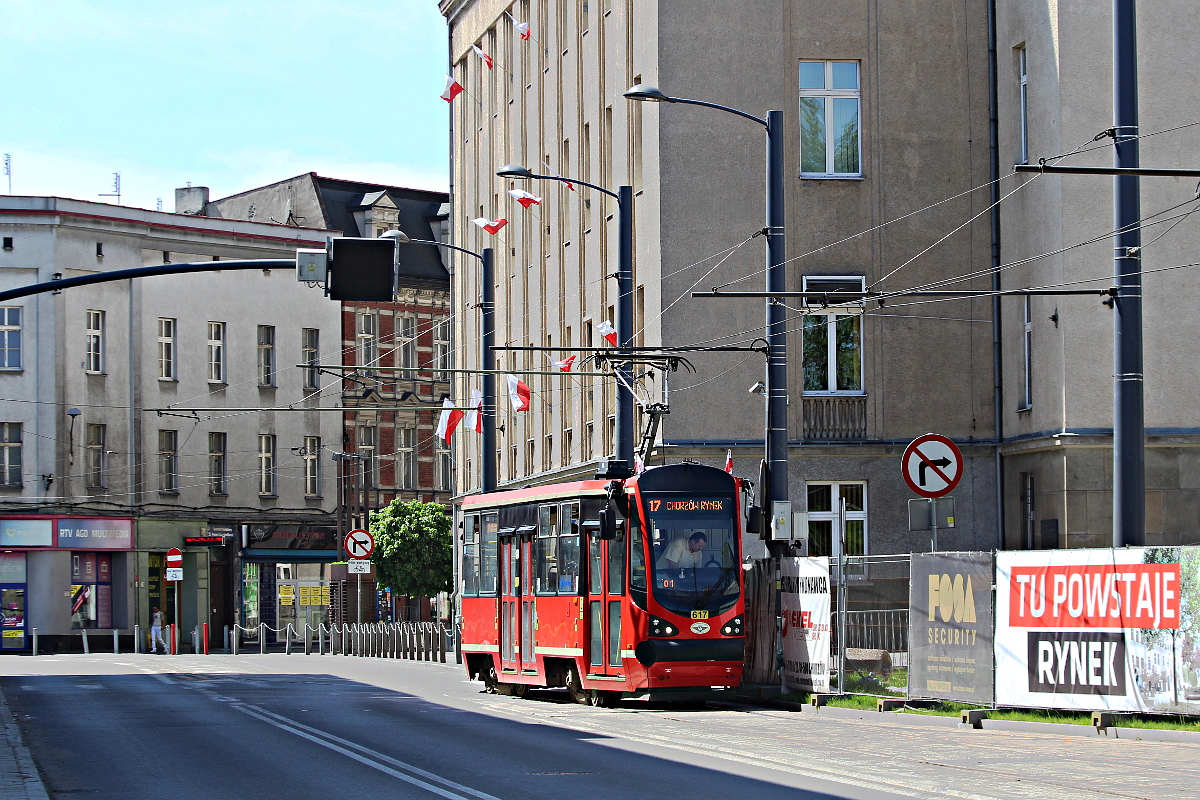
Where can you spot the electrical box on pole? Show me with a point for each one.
(362, 270)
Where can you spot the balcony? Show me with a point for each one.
(835, 417)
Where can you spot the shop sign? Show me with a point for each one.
(12, 567)
(950, 626)
(204, 541)
(26, 533)
(95, 534)
(291, 537)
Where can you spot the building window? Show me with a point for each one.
(1027, 356)
(216, 464)
(368, 340)
(266, 464)
(266, 355)
(97, 477)
(10, 453)
(406, 344)
(367, 440)
(166, 349)
(832, 342)
(548, 452)
(830, 142)
(837, 520)
(444, 466)
(10, 337)
(95, 343)
(8, 243)
(312, 466)
(441, 350)
(406, 458)
(310, 354)
(1023, 105)
(216, 352)
(168, 461)
(99, 249)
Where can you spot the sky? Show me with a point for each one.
(229, 95)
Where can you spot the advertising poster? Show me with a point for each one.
(1098, 629)
(804, 605)
(950, 627)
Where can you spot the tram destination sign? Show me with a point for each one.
(688, 505)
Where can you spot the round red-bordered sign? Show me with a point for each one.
(932, 465)
(360, 543)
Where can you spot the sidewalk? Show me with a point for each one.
(19, 779)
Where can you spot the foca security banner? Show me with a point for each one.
(1097, 629)
(804, 605)
(950, 626)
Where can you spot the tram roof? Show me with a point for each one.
(532, 494)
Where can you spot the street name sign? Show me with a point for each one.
(932, 465)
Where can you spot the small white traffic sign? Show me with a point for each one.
(174, 573)
(358, 566)
(174, 564)
(932, 465)
(359, 543)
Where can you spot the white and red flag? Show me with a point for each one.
(607, 330)
(492, 226)
(449, 420)
(518, 393)
(475, 415)
(525, 198)
(729, 461)
(523, 29)
(566, 364)
(486, 58)
(453, 89)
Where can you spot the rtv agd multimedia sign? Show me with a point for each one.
(1098, 629)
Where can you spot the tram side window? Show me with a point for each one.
(637, 562)
(470, 556)
(616, 561)
(568, 550)
(546, 551)
(489, 555)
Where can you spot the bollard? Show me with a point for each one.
(195, 641)
(173, 635)
(287, 640)
(225, 639)
(116, 643)
(137, 639)
(262, 638)
(233, 640)
(86, 651)
(204, 630)
(441, 634)
(35, 641)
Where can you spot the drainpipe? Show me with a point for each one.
(994, 196)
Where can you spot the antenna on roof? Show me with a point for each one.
(116, 192)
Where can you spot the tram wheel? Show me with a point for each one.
(519, 690)
(574, 686)
(597, 698)
(490, 682)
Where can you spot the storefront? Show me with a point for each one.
(286, 576)
(62, 576)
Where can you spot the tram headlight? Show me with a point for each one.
(733, 627)
(660, 627)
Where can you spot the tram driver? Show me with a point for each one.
(684, 553)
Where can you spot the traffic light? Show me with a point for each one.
(362, 270)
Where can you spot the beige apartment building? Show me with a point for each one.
(886, 107)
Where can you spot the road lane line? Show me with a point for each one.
(347, 748)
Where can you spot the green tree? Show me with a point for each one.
(413, 547)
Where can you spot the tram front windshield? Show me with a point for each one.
(694, 559)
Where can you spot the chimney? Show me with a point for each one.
(191, 200)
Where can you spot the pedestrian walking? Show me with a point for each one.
(156, 627)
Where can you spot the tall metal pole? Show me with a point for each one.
(487, 455)
(1129, 450)
(777, 399)
(624, 432)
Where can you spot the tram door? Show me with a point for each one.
(510, 574)
(528, 620)
(606, 588)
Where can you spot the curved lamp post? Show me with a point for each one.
(488, 445)
(622, 466)
(776, 502)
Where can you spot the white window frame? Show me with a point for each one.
(312, 466)
(167, 349)
(812, 283)
(441, 350)
(444, 461)
(830, 94)
(218, 467)
(11, 454)
(216, 353)
(310, 347)
(406, 344)
(1023, 105)
(367, 339)
(368, 449)
(96, 437)
(406, 457)
(1027, 355)
(266, 356)
(94, 363)
(266, 465)
(840, 516)
(168, 461)
(11, 335)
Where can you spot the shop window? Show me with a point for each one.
(91, 590)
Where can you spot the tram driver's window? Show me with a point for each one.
(489, 554)
(546, 551)
(470, 556)
(568, 549)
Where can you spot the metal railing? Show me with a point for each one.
(414, 641)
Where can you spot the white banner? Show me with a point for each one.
(1094, 629)
(804, 604)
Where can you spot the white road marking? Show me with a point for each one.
(368, 757)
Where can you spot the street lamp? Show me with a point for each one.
(488, 412)
(622, 467)
(776, 500)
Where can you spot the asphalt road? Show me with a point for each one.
(280, 726)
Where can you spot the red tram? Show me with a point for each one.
(610, 589)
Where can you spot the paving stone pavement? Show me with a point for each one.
(19, 779)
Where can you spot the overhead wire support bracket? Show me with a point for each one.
(1136, 171)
